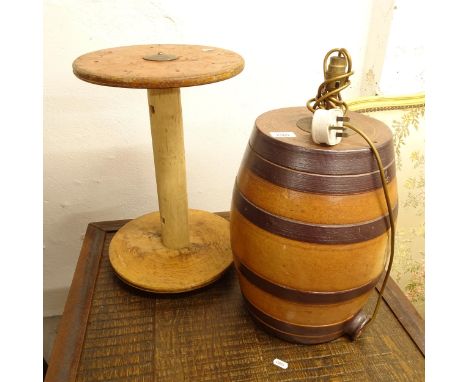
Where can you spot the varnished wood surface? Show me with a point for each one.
(207, 335)
(125, 66)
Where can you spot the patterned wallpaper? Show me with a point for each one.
(407, 125)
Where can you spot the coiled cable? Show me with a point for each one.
(390, 215)
(329, 97)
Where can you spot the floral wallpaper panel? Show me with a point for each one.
(408, 270)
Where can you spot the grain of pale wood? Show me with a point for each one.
(169, 160)
(139, 257)
(125, 67)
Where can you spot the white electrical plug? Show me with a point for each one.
(325, 126)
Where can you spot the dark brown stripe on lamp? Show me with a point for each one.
(293, 337)
(303, 297)
(300, 330)
(316, 183)
(311, 233)
(326, 161)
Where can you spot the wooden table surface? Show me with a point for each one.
(112, 332)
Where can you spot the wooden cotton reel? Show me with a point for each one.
(175, 249)
(309, 229)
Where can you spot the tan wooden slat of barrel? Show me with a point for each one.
(306, 266)
(314, 208)
(125, 66)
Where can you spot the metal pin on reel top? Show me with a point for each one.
(160, 57)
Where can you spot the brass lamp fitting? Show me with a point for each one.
(336, 67)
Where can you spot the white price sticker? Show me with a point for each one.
(279, 363)
(282, 134)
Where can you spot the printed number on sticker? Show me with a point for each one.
(283, 134)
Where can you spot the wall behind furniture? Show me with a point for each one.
(98, 161)
(403, 73)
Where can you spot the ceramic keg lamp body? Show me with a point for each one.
(310, 221)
